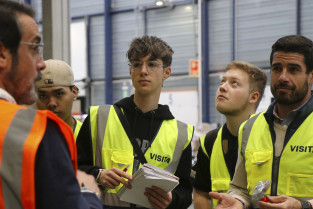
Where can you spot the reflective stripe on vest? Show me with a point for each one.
(258, 150)
(112, 148)
(220, 177)
(184, 137)
(77, 128)
(21, 132)
(98, 119)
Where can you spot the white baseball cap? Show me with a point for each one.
(56, 73)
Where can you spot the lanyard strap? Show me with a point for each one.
(126, 126)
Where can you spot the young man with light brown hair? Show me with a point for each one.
(238, 96)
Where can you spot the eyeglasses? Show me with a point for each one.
(151, 66)
(37, 47)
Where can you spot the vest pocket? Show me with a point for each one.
(258, 166)
(296, 184)
(220, 185)
(119, 159)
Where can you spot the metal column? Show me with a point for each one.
(108, 52)
(299, 17)
(56, 30)
(205, 60)
(234, 29)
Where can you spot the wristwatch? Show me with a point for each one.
(306, 205)
(98, 176)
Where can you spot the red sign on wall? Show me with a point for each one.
(193, 67)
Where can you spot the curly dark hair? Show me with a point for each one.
(150, 45)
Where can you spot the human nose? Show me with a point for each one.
(40, 65)
(52, 103)
(223, 87)
(144, 68)
(283, 77)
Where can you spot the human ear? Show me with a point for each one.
(75, 92)
(310, 77)
(166, 73)
(254, 97)
(4, 55)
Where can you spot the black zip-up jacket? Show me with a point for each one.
(144, 126)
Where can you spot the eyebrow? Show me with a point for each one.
(289, 65)
(37, 39)
(231, 78)
(294, 65)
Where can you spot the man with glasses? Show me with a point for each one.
(135, 130)
(37, 47)
(38, 158)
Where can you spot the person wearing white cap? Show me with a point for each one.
(56, 91)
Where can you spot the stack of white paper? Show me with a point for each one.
(147, 176)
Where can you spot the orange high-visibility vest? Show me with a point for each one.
(21, 131)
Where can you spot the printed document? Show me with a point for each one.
(147, 176)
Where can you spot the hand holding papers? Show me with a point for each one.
(147, 176)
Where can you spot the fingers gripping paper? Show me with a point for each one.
(147, 176)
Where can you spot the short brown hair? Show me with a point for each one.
(257, 77)
(17, 7)
(295, 44)
(10, 29)
(150, 45)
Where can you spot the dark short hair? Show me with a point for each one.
(17, 7)
(257, 77)
(296, 44)
(10, 30)
(150, 45)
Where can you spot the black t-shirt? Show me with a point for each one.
(202, 179)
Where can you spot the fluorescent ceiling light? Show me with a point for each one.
(159, 3)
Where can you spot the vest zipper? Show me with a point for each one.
(275, 175)
(275, 167)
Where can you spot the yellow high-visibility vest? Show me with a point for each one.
(112, 147)
(220, 177)
(77, 128)
(295, 171)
